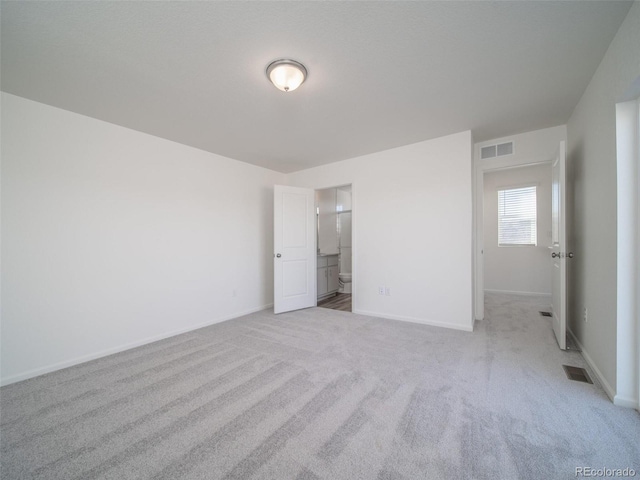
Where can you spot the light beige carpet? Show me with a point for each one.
(322, 394)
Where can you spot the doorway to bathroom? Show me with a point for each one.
(334, 247)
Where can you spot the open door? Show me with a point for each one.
(294, 259)
(558, 247)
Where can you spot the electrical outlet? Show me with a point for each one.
(387, 291)
(380, 290)
(585, 314)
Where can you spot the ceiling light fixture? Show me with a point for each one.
(286, 75)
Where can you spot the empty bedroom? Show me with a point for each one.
(319, 240)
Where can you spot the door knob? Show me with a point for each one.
(278, 255)
(570, 254)
(554, 255)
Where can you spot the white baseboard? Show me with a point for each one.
(603, 381)
(422, 321)
(514, 292)
(626, 402)
(121, 348)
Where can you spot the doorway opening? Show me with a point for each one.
(527, 199)
(517, 230)
(334, 248)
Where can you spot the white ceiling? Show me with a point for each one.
(381, 74)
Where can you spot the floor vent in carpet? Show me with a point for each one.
(576, 373)
(571, 345)
(545, 314)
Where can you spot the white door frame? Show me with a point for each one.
(559, 245)
(480, 167)
(627, 389)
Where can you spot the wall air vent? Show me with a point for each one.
(499, 150)
(505, 148)
(488, 152)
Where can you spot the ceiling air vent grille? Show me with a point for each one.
(499, 150)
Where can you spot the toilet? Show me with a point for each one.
(344, 275)
(345, 283)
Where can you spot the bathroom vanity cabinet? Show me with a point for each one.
(328, 275)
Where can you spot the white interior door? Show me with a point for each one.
(294, 259)
(558, 247)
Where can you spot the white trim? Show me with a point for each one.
(518, 185)
(603, 382)
(104, 353)
(625, 402)
(422, 321)
(637, 228)
(478, 238)
(511, 292)
(628, 253)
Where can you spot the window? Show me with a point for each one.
(517, 216)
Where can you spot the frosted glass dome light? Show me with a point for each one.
(286, 75)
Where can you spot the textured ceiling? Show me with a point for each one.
(381, 74)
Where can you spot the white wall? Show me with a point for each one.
(525, 269)
(412, 229)
(592, 175)
(327, 221)
(344, 198)
(344, 222)
(536, 146)
(112, 238)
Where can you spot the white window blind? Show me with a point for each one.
(517, 216)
